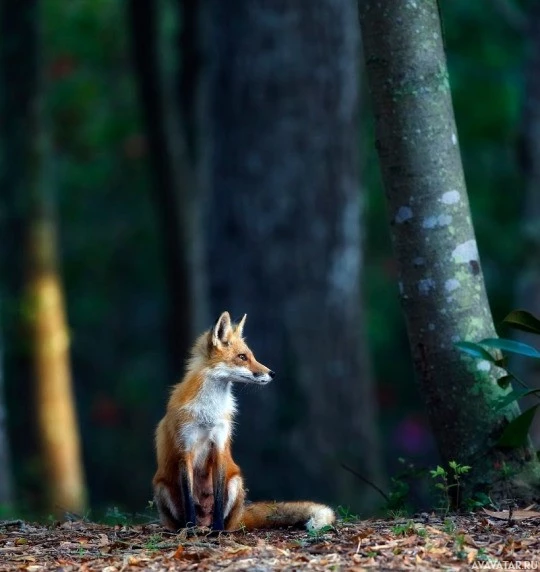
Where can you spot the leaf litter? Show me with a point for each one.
(427, 542)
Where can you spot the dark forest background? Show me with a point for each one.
(181, 187)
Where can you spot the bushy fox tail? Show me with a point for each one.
(278, 514)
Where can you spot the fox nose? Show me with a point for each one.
(272, 374)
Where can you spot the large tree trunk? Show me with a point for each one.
(49, 336)
(6, 482)
(144, 41)
(528, 283)
(175, 180)
(286, 240)
(17, 69)
(441, 282)
(191, 92)
(35, 295)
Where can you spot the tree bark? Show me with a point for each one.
(441, 282)
(286, 240)
(193, 150)
(34, 291)
(175, 183)
(6, 482)
(17, 69)
(57, 423)
(528, 283)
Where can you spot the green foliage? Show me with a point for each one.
(480, 500)
(516, 432)
(449, 526)
(398, 495)
(475, 350)
(408, 529)
(404, 529)
(507, 471)
(511, 346)
(514, 395)
(345, 514)
(316, 534)
(398, 503)
(446, 480)
(524, 321)
(153, 542)
(81, 552)
(459, 546)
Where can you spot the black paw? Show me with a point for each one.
(218, 524)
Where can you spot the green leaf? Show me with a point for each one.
(511, 346)
(513, 396)
(504, 381)
(516, 433)
(522, 320)
(474, 350)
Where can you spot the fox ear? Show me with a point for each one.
(222, 329)
(240, 326)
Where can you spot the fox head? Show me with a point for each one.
(228, 355)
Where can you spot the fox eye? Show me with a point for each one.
(243, 357)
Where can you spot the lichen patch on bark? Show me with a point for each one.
(450, 197)
(465, 252)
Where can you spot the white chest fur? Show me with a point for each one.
(211, 413)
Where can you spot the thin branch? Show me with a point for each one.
(362, 478)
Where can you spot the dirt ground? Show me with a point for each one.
(426, 542)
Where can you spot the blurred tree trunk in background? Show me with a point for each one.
(144, 21)
(34, 292)
(17, 67)
(46, 319)
(6, 479)
(286, 233)
(528, 282)
(441, 282)
(189, 88)
(176, 185)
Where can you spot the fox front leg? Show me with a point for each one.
(186, 487)
(234, 507)
(218, 478)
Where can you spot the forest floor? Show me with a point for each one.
(428, 542)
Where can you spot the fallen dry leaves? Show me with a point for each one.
(424, 543)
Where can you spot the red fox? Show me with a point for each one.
(197, 483)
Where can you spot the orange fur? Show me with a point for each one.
(197, 481)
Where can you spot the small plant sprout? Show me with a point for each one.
(449, 526)
(318, 532)
(153, 542)
(404, 529)
(445, 482)
(345, 514)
